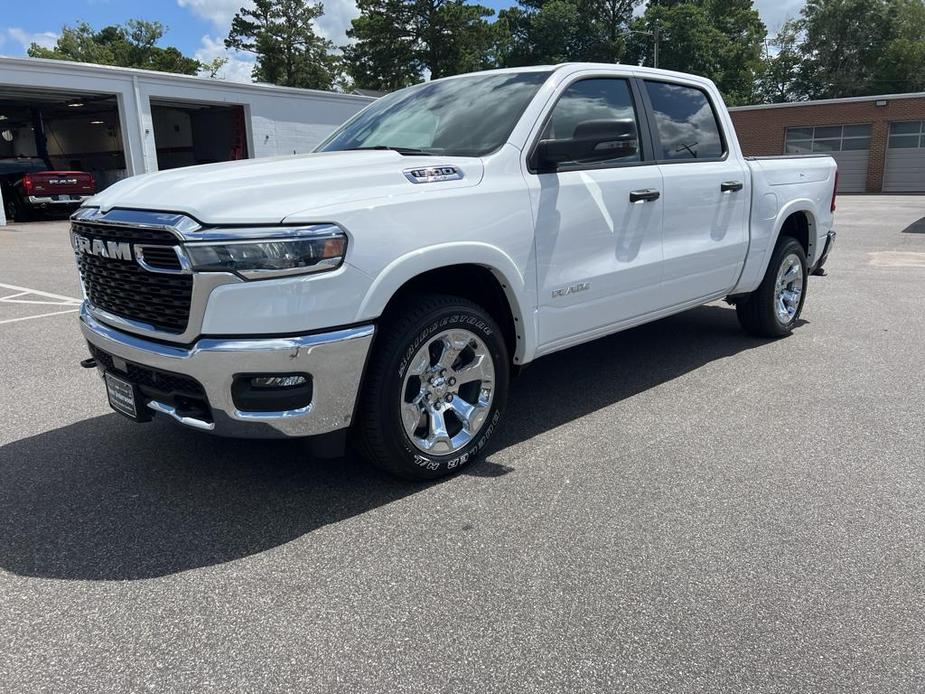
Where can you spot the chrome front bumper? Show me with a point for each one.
(335, 361)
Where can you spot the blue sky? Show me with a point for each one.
(197, 27)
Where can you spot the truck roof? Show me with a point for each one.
(574, 66)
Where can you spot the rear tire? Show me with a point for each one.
(435, 388)
(773, 309)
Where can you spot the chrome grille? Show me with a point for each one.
(162, 257)
(120, 233)
(124, 288)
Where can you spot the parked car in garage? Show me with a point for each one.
(30, 185)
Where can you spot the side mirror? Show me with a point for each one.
(592, 140)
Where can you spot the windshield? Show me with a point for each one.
(464, 116)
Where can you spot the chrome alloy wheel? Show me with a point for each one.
(788, 289)
(448, 391)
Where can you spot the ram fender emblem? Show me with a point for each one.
(573, 289)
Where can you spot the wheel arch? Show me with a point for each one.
(797, 218)
(800, 224)
(477, 272)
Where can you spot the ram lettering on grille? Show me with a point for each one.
(106, 249)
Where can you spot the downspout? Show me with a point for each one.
(136, 93)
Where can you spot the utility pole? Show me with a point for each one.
(655, 38)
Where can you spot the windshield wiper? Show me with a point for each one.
(400, 150)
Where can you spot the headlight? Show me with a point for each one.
(301, 251)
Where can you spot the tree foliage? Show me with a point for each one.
(554, 31)
(842, 43)
(779, 79)
(839, 48)
(133, 44)
(834, 48)
(399, 42)
(281, 33)
(719, 39)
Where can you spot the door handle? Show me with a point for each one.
(731, 186)
(647, 195)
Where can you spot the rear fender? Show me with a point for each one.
(764, 235)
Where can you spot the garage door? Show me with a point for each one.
(849, 145)
(905, 159)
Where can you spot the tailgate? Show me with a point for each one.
(46, 183)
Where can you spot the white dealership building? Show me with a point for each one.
(117, 122)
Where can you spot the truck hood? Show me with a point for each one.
(266, 191)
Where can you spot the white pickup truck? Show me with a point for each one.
(389, 284)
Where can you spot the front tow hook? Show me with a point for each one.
(89, 363)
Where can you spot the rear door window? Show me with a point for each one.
(685, 123)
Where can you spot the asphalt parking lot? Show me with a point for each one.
(678, 508)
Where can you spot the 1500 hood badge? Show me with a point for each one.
(433, 174)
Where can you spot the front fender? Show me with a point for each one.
(517, 288)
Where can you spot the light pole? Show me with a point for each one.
(655, 37)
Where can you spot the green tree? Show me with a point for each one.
(133, 44)
(840, 48)
(213, 67)
(901, 66)
(281, 33)
(719, 39)
(554, 31)
(540, 34)
(609, 21)
(843, 41)
(399, 42)
(780, 78)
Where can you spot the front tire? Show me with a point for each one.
(435, 389)
(774, 308)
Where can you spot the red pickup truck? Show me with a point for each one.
(28, 186)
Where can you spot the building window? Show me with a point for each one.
(828, 138)
(907, 135)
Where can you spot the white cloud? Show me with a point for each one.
(46, 39)
(336, 20)
(776, 12)
(239, 65)
(219, 12)
(333, 24)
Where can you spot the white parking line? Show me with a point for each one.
(8, 300)
(23, 291)
(41, 315)
(70, 302)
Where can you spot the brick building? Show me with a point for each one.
(878, 141)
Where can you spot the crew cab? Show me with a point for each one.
(29, 185)
(386, 287)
